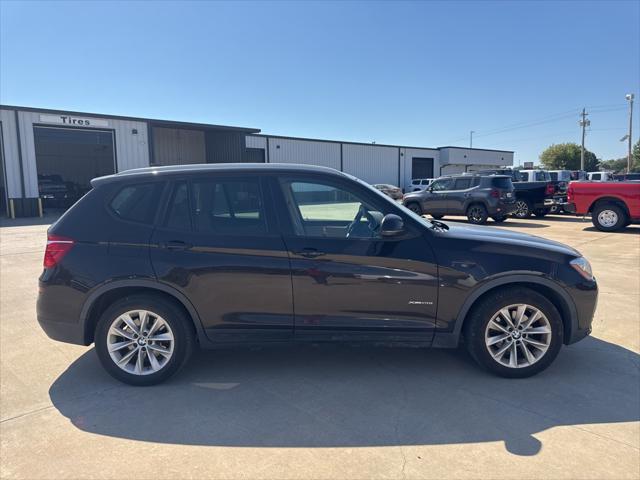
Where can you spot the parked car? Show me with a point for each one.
(612, 205)
(600, 176)
(390, 190)
(476, 196)
(418, 184)
(578, 175)
(536, 197)
(55, 192)
(154, 262)
(623, 177)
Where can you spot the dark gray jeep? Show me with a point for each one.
(476, 196)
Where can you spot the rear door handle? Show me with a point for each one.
(177, 245)
(309, 253)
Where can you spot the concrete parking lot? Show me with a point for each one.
(326, 411)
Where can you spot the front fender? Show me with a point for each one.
(451, 339)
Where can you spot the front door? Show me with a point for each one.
(218, 245)
(348, 280)
(435, 200)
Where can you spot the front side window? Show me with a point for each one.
(595, 176)
(444, 184)
(324, 210)
(227, 207)
(137, 203)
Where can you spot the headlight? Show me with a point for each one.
(583, 267)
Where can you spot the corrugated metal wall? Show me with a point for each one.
(132, 150)
(173, 146)
(371, 163)
(406, 165)
(285, 150)
(10, 152)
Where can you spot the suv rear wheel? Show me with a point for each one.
(143, 339)
(609, 217)
(514, 333)
(477, 214)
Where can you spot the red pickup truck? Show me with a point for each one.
(612, 205)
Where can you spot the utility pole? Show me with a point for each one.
(471, 138)
(629, 97)
(584, 123)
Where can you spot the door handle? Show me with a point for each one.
(177, 245)
(309, 253)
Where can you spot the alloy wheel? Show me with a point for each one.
(140, 342)
(522, 209)
(607, 218)
(518, 335)
(476, 214)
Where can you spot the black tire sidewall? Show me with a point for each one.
(622, 217)
(477, 322)
(183, 337)
(485, 214)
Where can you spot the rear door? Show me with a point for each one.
(218, 245)
(459, 194)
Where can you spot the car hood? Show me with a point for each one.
(509, 237)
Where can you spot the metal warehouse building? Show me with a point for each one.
(49, 156)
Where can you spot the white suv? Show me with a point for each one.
(419, 184)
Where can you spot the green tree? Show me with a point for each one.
(566, 156)
(619, 165)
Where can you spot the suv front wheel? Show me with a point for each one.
(143, 339)
(514, 333)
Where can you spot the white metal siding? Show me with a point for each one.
(132, 150)
(11, 158)
(284, 150)
(467, 156)
(371, 163)
(256, 142)
(406, 165)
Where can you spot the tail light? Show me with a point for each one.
(495, 193)
(57, 248)
(569, 192)
(551, 189)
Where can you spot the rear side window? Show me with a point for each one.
(228, 207)
(504, 183)
(137, 203)
(178, 213)
(463, 183)
(554, 176)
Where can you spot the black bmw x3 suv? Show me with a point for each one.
(152, 263)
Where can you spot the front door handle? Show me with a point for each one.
(309, 253)
(177, 245)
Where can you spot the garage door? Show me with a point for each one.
(67, 159)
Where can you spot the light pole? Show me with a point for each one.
(584, 123)
(471, 138)
(629, 97)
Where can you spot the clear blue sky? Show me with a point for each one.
(416, 73)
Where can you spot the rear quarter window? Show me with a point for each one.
(137, 203)
(504, 183)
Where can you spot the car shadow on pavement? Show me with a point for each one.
(348, 396)
(628, 230)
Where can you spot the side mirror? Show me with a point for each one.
(391, 226)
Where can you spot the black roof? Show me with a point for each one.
(215, 167)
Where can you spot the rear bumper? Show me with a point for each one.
(57, 311)
(502, 209)
(569, 207)
(62, 331)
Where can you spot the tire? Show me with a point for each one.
(415, 207)
(523, 209)
(477, 214)
(541, 212)
(477, 333)
(169, 353)
(499, 218)
(609, 217)
(438, 217)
